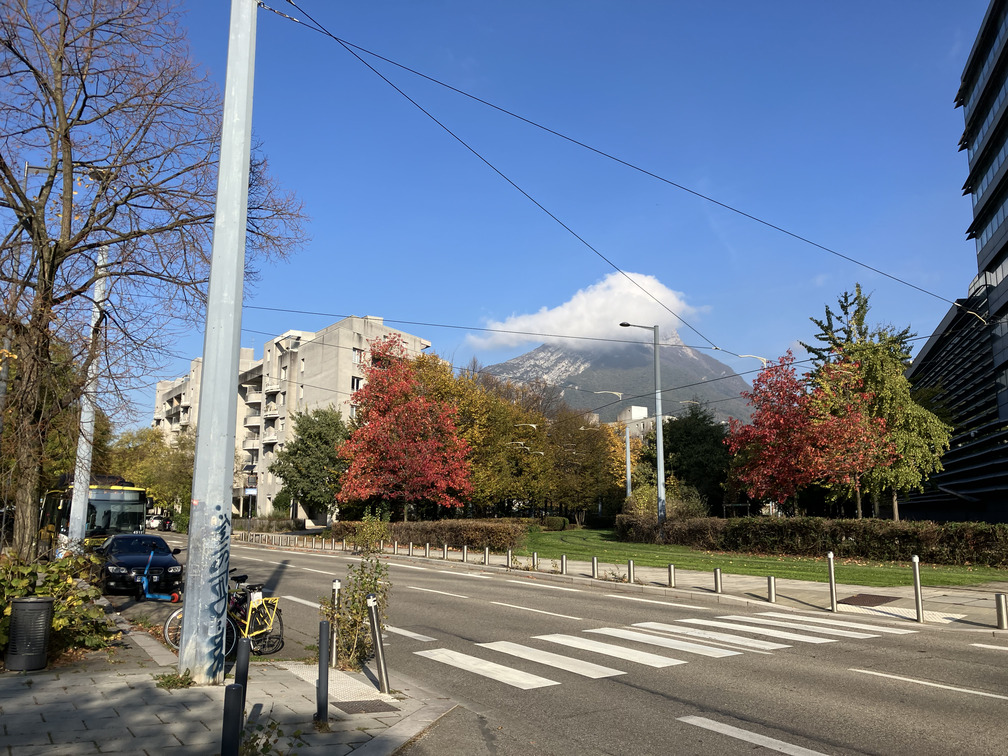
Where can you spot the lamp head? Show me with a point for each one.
(624, 324)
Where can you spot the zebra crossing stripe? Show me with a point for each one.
(842, 623)
(799, 626)
(750, 737)
(627, 654)
(515, 678)
(770, 632)
(408, 634)
(665, 642)
(566, 663)
(737, 640)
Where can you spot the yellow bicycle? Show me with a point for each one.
(249, 615)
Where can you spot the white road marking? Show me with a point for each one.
(649, 601)
(537, 611)
(896, 611)
(987, 645)
(781, 634)
(527, 584)
(463, 574)
(297, 600)
(499, 672)
(750, 737)
(841, 623)
(930, 684)
(578, 667)
(408, 567)
(735, 640)
(443, 593)
(409, 634)
(664, 642)
(628, 654)
(799, 626)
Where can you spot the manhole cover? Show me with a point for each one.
(364, 707)
(867, 599)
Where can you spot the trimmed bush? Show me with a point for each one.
(498, 535)
(555, 523)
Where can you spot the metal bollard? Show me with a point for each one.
(241, 669)
(395, 548)
(771, 589)
(465, 554)
(717, 580)
(671, 576)
(832, 582)
(486, 555)
(918, 599)
(381, 546)
(630, 576)
(231, 729)
(535, 561)
(444, 552)
(594, 568)
(563, 564)
(1002, 611)
(510, 557)
(426, 551)
(322, 689)
(344, 544)
(411, 548)
(376, 637)
(334, 629)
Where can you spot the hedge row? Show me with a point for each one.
(499, 535)
(957, 543)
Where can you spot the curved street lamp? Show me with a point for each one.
(658, 420)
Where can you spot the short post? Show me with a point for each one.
(717, 580)
(395, 548)
(334, 628)
(671, 576)
(426, 551)
(241, 668)
(444, 552)
(376, 637)
(231, 729)
(535, 561)
(630, 577)
(563, 564)
(594, 568)
(832, 582)
(344, 544)
(465, 554)
(918, 599)
(1001, 605)
(322, 690)
(486, 555)
(381, 546)
(771, 589)
(411, 548)
(510, 558)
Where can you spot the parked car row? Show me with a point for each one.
(159, 522)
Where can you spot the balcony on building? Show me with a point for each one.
(253, 397)
(271, 411)
(250, 442)
(269, 437)
(252, 418)
(272, 386)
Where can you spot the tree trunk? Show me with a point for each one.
(875, 504)
(857, 500)
(895, 507)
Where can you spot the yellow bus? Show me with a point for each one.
(114, 506)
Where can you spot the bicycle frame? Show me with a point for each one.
(244, 621)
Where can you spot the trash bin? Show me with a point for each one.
(30, 622)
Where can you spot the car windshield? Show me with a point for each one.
(139, 545)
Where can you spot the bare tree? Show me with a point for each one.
(109, 137)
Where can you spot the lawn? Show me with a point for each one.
(582, 545)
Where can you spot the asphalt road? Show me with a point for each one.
(522, 655)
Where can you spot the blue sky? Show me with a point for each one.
(834, 121)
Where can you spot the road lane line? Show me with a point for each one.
(527, 584)
(627, 654)
(297, 600)
(665, 642)
(930, 684)
(781, 634)
(987, 645)
(537, 611)
(463, 574)
(650, 601)
(736, 640)
(566, 663)
(409, 634)
(499, 672)
(408, 567)
(841, 623)
(443, 593)
(750, 737)
(799, 626)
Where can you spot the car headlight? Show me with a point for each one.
(116, 570)
(175, 569)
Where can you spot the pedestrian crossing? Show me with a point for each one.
(676, 643)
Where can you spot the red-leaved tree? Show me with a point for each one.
(404, 448)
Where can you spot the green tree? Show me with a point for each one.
(310, 465)
(164, 468)
(695, 452)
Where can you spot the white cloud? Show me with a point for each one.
(595, 312)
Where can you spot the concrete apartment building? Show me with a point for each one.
(299, 371)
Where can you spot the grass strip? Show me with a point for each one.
(582, 545)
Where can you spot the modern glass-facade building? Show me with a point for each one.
(966, 358)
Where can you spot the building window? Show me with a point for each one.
(301, 391)
(358, 356)
(353, 411)
(302, 364)
(355, 382)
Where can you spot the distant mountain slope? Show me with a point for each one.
(687, 375)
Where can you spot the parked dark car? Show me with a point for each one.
(126, 557)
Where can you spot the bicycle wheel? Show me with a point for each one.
(271, 641)
(172, 629)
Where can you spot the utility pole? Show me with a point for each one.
(202, 647)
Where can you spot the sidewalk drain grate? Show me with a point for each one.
(364, 707)
(867, 599)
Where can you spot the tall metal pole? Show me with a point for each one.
(628, 491)
(659, 430)
(85, 439)
(201, 650)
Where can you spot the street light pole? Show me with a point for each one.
(659, 431)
